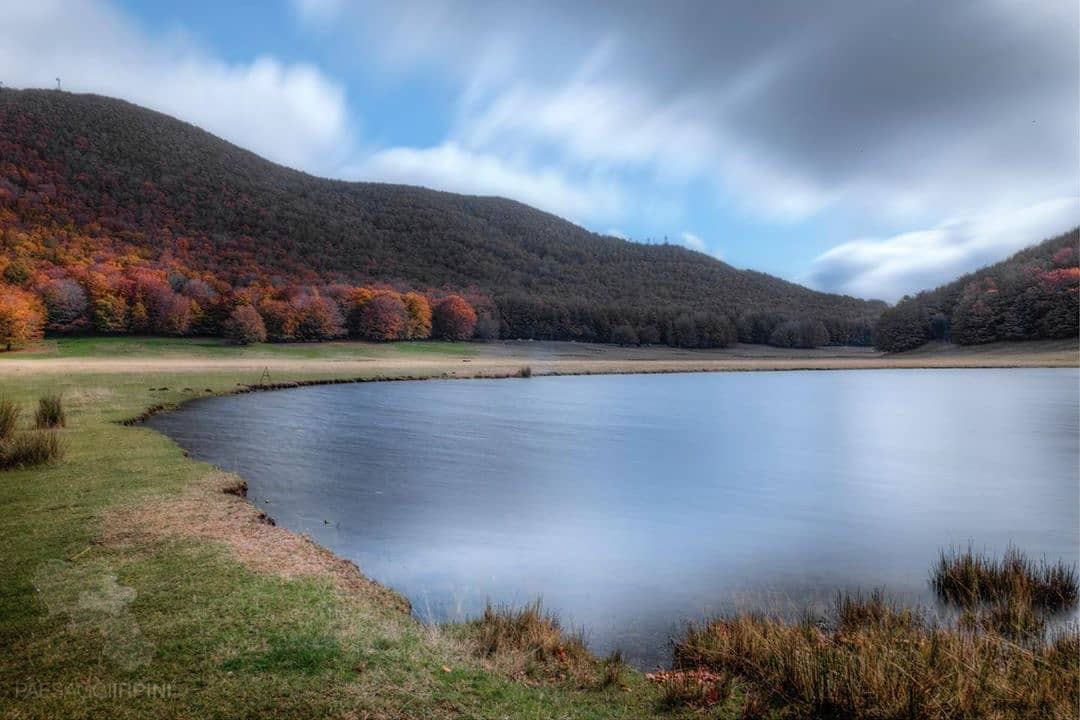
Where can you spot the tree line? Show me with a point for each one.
(1032, 295)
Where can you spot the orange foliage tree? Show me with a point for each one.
(22, 317)
(418, 309)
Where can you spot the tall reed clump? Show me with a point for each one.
(50, 412)
(867, 659)
(30, 448)
(26, 448)
(967, 578)
(9, 419)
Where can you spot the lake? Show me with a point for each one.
(633, 503)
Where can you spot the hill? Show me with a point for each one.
(115, 198)
(1031, 295)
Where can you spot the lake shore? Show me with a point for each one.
(123, 355)
(248, 619)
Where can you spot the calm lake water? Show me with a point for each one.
(631, 504)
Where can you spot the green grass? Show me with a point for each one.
(226, 641)
(157, 347)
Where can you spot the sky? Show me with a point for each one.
(869, 148)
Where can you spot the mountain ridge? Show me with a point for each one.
(111, 177)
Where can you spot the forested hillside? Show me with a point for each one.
(115, 219)
(1032, 295)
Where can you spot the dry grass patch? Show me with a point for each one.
(215, 510)
(692, 688)
(530, 643)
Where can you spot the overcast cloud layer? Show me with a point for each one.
(950, 130)
(958, 117)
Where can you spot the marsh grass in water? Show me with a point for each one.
(967, 578)
(50, 412)
(870, 658)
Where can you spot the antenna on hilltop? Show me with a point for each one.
(57, 83)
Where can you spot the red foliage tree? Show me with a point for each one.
(175, 315)
(319, 318)
(454, 319)
(383, 318)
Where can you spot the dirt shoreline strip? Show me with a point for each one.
(501, 367)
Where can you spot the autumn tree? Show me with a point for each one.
(22, 317)
(17, 272)
(418, 310)
(319, 318)
(354, 302)
(110, 313)
(384, 317)
(453, 319)
(66, 305)
(280, 318)
(245, 326)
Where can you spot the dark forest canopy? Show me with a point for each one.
(1031, 295)
(102, 194)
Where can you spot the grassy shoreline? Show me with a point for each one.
(242, 618)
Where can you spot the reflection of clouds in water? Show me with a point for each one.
(631, 504)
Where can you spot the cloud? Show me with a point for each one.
(452, 167)
(889, 268)
(912, 112)
(693, 242)
(289, 113)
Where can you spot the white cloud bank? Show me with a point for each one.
(889, 268)
(289, 113)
